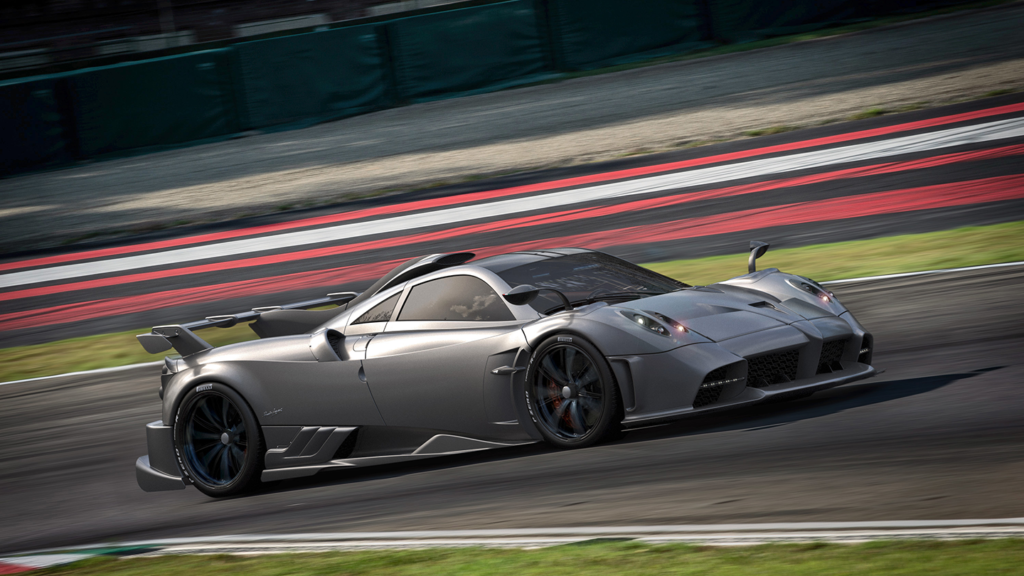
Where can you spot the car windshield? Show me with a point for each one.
(588, 276)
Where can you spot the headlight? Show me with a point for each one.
(648, 323)
(813, 288)
(675, 325)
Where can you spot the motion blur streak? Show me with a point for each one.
(886, 168)
(479, 196)
(927, 197)
(100, 308)
(917, 143)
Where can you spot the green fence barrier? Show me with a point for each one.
(465, 51)
(749, 20)
(593, 33)
(154, 103)
(34, 122)
(887, 7)
(299, 80)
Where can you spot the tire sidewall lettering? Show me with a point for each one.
(609, 404)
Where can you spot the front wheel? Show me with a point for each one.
(571, 394)
(217, 440)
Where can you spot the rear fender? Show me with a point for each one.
(223, 373)
(287, 393)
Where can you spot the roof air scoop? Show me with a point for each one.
(757, 249)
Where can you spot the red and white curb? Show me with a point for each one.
(710, 534)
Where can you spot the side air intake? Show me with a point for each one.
(711, 388)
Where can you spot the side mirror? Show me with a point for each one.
(757, 249)
(522, 294)
(525, 293)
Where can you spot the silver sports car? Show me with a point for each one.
(446, 354)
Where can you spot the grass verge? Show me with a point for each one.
(971, 246)
(931, 558)
(890, 255)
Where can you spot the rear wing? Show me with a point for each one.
(182, 338)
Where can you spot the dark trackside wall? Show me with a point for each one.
(294, 81)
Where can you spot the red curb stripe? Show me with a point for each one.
(7, 568)
(923, 198)
(568, 215)
(169, 298)
(486, 195)
(896, 201)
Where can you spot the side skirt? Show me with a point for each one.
(437, 445)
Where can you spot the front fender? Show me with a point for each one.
(610, 331)
(795, 292)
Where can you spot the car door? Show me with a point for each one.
(432, 366)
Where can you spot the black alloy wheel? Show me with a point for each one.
(217, 440)
(571, 393)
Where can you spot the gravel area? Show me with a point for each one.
(924, 63)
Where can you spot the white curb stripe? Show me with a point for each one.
(44, 561)
(713, 539)
(922, 273)
(905, 145)
(862, 279)
(532, 537)
(85, 372)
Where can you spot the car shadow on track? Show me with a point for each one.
(751, 418)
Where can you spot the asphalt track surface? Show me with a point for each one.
(938, 436)
(930, 170)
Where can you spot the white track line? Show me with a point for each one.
(87, 372)
(862, 279)
(923, 273)
(905, 145)
(704, 533)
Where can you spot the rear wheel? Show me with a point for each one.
(217, 440)
(571, 393)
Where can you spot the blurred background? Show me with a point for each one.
(166, 160)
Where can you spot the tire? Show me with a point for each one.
(575, 408)
(217, 440)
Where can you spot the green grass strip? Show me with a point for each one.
(972, 246)
(890, 255)
(926, 558)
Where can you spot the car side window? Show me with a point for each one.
(455, 298)
(381, 312)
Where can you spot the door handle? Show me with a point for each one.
(505, 370)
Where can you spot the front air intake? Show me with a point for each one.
(769, 369)
(831, 354)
